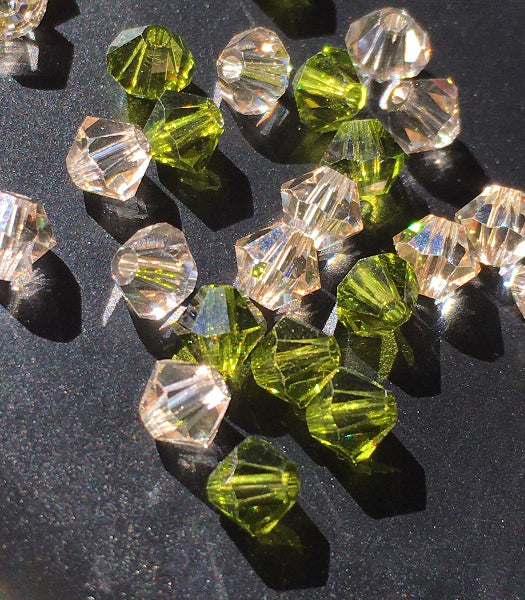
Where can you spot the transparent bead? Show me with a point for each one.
(20, 17)
(421, 115)
(277, 265)
(439, 251)
(514, 279)
(388, 44)
(108, 158)
(253, 71)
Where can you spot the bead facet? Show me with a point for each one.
(351, 415)
(377, 295)
(277, 265)
(328, 91)
(147, 61)
(220, 327)
(184, 130)
(495, 225)
(388, 44)
(108, 158)
(253, 71)
(20, 17)
(184, 404)
(324, 205)
(440, 254)
(255, 485)
(514, 280)
(155, 270)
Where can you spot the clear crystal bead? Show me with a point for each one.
(277, 265)
(25, 235)
(20, 17)
(184, 403)
(514, 280)
(421, 115)
(495, 225)
(155, 270)
(324, 205)
(253, 71)
(108, 158)
(388, 44)
(439, 251)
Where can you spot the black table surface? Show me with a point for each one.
(90, 507)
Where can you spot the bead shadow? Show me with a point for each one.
(59, 12)
(123, 219)
(160, 341)
(301, 18)
(49, 304)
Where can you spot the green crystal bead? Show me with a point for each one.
(255, 485)
(377, 295)
(351, 415)
(184, 130)
(220, 327)
(147, 61)
(328, 91)
(294, 361)
(365, 151)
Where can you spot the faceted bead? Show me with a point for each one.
(220, 327)
(495, 225)
(421, 115)
(108, 158)
(328, 91)
(184, 130)
(277, 265)
(294, 361)
(365, 151)
(25, 235)
(20, 17)
(388, 44)
(147, 61)
(184, 404)
(377, 295)
(439, 251)
(253, 71)
(514, 280)
(351, 415)
(255, 485)
(155, 271)
(324, 205)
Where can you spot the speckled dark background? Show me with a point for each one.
(87, 509)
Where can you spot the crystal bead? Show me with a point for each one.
(253, 71)
(421, 115)
(108, 158)
(277, 265)
(20, 17)
(377, 295)
(328, 91)
(514, 280)
(388, 44)
(220, 327)
(495, 225)
(147, 61)
(324, 205)
(155, 270)
(439, 251)
(184, 130)
(25, 235)
(184, 404)
(294, 361)
(365, 151)
(255, 485)
(351, 415)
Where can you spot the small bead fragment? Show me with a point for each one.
(20, 17)
(253, 71)
(255, 485)
(377, 295)
(514, 280)
(351, 415)
(147, 61)
(328, 91)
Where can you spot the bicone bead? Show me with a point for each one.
(20, 18)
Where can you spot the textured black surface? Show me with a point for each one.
(88, 509)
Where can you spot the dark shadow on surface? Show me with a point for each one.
(301, 18)
(49, 304)
(314, 308)
(123, 219)
(219, 196)
(59, 12)
(161, 342)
